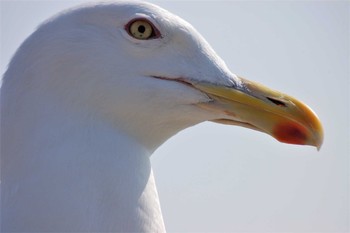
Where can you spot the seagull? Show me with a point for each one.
(93, 92)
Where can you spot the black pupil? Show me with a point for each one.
(141, 29)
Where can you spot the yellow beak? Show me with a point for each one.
(257, 107)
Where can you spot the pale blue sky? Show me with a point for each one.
(219, 178)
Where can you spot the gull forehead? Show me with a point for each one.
(178, 39)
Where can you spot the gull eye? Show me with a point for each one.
(141, 29)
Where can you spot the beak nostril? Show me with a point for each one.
(277, 102)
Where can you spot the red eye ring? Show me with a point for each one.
(142, 29)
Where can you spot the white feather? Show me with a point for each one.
(81, 116)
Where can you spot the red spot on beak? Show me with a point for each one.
(291, 132)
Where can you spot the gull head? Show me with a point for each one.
(150, 74)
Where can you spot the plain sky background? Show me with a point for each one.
(219, 178)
